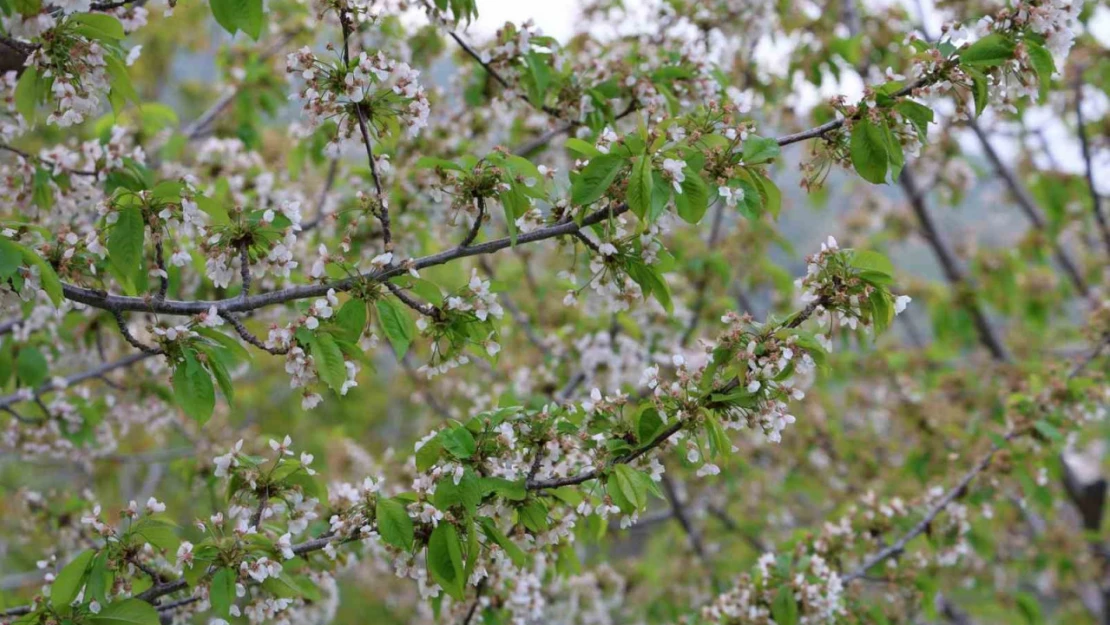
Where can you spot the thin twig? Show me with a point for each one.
(249, 337)
(130, 338)
(472, 233)
(95, 373)
(163, 276)
(679, 508)
(1096, 205)
(244, 269)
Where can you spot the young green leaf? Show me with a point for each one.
(639, 187)
(994, 49)
(222, 591)
(595, 179)
(125, 241)
(31, 367)
(234, 15)
(1043, 64)
(100, 26)
(760, 150)
(193, 389)
(47, 276)
(11, 258)
(396, 324)
(125, 612)
(394, 524)
(329, 362)
(533, 515)
(869, 152)
(445, 561)
(27, 94)
(784, 609)
(351, 319)
(459, 442)
(70, 579)
(692, 203)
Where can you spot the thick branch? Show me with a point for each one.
(951, 268)
(1029, 207)
(98, 299)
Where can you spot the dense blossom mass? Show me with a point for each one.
(519, 328)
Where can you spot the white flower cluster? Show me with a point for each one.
(375, 78)
(824, 286)
(817, 590)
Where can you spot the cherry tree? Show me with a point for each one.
(342, 310)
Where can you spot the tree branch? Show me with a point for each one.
(1028, 206)
(1100, 218)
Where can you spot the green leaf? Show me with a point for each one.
(648, 425)
(513, 491)
(287, 586)
(71, 579)
(328, 359)
(11, 258)
(1048, 430)
(193, 389)
(595, 179)
(228, 344)
(894, 152)
(459, 442)
(515, 553)
(47, 276)
(989, 51)
(760, 150)
(27, 8)
(694, 199)
(630, 486)
(918, 114)
(31, 367)
(445, 561)
(222, 591)
(126, 612)
(125, 241)
(1043, 64)
(639, 187)
(882, 309)
(161, 534)
(351, 320)
(42, 194)
(467, 493)
(1029, 608)
(978, 89)
(215, 209)
(719, 443)
(396, 324)
(27, 94)
(394, 523)
(784, 609)
(121, 80)
(428, 454)
(585, 149)
(244, 15)
(869, 261)
(651, 282)
(219, 371)
(514, 203)
(533, 516)
(869, 152)
(100, 26)
(100, 579)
